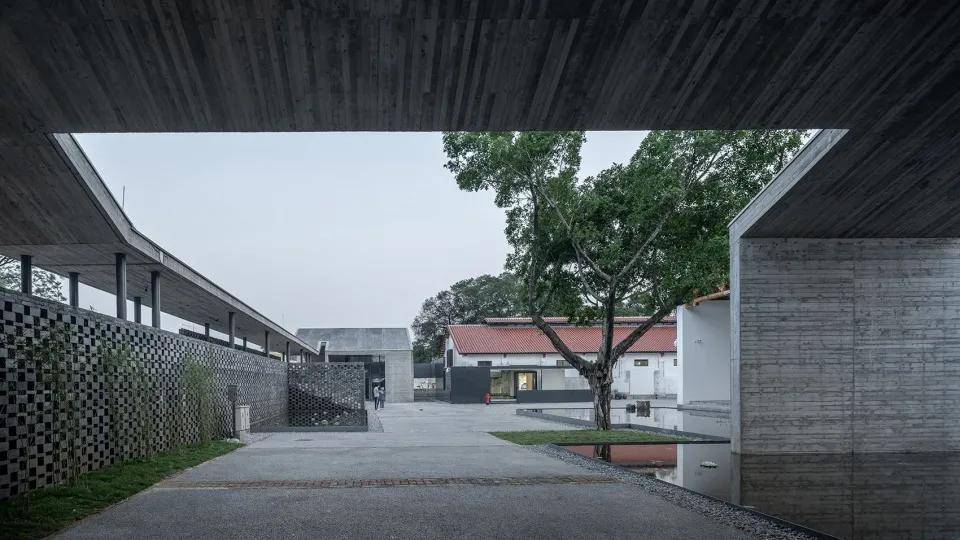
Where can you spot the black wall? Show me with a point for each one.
(469, 384)
(553, 396)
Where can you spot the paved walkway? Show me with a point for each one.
(433, 472)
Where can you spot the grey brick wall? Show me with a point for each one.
(846, 345)
(82, 414)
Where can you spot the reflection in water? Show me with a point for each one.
(706, 423)
(845, 495)
(884, 495)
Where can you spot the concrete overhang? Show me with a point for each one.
(90, 227)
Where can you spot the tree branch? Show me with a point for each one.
(639, 331)
(573, 358)
(580, 252)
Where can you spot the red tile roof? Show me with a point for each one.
(565, 320)
(483, 339)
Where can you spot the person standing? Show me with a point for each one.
(376, 397)
(383, 397)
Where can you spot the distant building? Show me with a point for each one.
(386, 352)
(522, 359)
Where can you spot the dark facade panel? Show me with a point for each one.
(469, 384)
(553, 396)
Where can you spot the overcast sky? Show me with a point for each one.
(314, 229)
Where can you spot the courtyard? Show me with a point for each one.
(432, 472)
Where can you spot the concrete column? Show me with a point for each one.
(266, 343)
(26, 274)
(136, 309)
(74, 289)
(155, 299)
(303, 356)
(231, 327)
(206, 331)
(121, 291)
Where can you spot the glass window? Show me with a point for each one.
(483, 363)
(641, 362)
(674, 361)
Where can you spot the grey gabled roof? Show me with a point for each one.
(357, 339)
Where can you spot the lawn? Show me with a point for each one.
(44, 511)
(583, 436)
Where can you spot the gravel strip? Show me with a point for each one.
(725, 513)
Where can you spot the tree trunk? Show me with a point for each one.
(602, 394)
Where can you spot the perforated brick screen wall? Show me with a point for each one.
(74, 411)
(326, 394)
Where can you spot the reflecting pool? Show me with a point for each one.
(669, 418)
(887, 495)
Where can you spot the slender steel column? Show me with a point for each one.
(26, 274)
(136, 309)
(286, 354)
(206, 331)
(75, 289)
(231, 327)
(266, 343)
(121, 267)
(155, 299)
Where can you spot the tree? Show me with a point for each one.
(651, 233)
(45, 284)
(465, 302)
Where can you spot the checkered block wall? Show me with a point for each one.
(72, 411)
(326, 394)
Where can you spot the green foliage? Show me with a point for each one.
(196, 387)
(51, 356)
(45, 284)
(468, 301)
(39, 513)
(131, 397)
(645, 235)
(465, 302)
(583, 436)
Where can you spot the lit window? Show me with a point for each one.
(641, 362)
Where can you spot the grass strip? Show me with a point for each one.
(41, 512)
(583, 436)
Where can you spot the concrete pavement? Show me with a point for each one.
(343, 485)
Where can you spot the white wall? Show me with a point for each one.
(659, 376)
(703, 345)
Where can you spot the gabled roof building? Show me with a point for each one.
(525, 366)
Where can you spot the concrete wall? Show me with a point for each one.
(703, 347)
(78, 406)
(398, 370)
(846, 345)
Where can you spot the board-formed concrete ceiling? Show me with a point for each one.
(394, 65)
(885, 71)
(888, 71)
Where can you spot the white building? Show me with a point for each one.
(522, 359)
